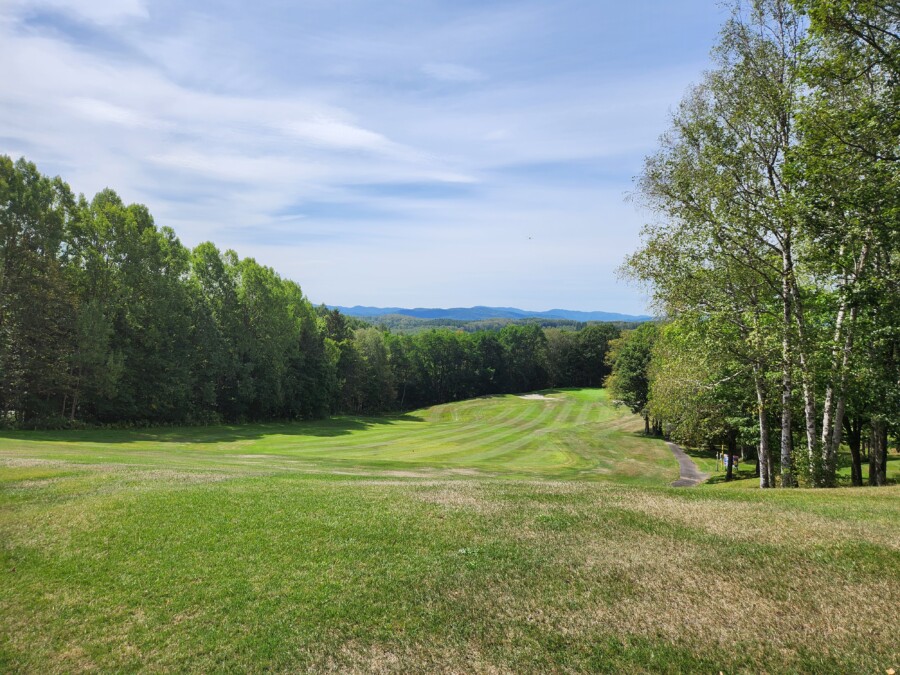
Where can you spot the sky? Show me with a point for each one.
(412, 153)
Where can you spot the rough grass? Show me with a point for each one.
(156, 552)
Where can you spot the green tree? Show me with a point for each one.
(727, 246)
(525, 350)
(630, 357)
(702, 393)
(377, 382)
(847, 160)
(36, 299)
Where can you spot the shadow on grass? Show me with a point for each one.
(572, 390)
(739, 475)
(223, 433)
(643, 436)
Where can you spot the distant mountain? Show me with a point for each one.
(479, 313)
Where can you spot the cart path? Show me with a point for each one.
(690, 474)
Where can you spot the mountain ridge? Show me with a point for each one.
(483, 312)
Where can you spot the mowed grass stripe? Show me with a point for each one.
(498, 444)
(439, 431)
(407, 432)
(528, 443)
(476, 445)
(588, 409)
(412, 442)
(471, 436)
(421, 440)
(568, 408)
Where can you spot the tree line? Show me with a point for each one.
(775, 251)
(106, 318)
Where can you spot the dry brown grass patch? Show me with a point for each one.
(417, 658)
(762, 522)
(679, 590)
(459, 495)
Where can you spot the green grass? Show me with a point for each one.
(568, 434)
(497, 534)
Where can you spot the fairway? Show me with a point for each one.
(502, 534)
(556, 434)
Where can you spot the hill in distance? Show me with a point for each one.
(480, 313)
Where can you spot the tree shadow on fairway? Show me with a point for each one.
(223, 433)
(741, 474)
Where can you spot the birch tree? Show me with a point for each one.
(724, 245)
(848, 159)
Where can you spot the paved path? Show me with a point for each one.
(690, 474)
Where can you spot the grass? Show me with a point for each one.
(501, 534)
(567, 434)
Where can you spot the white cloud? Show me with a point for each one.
(103, 111)
(235, 167)
(333, 133)
(449, 177)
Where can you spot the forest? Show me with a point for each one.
(774, 247)
(106, 318)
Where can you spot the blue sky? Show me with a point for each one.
(397, 153)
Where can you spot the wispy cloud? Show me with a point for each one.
(334, 133)
(104, 112)
(481, 149)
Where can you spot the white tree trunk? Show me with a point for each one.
(809, 392)
(765, 472)
(787, 464)
(833, 413)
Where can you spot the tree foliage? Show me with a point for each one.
(106, 318)
(778, 237)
